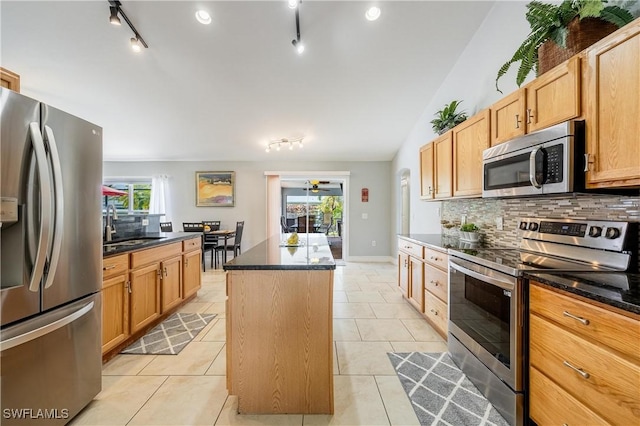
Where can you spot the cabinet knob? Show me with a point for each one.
(434, 258)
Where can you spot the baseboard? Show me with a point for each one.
(373, 259)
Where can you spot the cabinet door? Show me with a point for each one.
(115, 311)
(554, 97)
(403, 273)
(470, 138)
(443, 153)
(507, 118)
(416, 284)
(145, 296)
(613, 108)
(171, 283)
(9, 80)
(426, 172)
(191, 281)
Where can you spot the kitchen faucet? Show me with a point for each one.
(109, 229)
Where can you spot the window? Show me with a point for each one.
(136, 199)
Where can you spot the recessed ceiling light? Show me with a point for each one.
(373, 13)
(203, 17)
(292, 4)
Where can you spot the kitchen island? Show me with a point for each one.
(279, 320)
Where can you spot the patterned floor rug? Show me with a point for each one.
(440, 393)
(171, 335)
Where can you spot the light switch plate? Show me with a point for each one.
(145, 222)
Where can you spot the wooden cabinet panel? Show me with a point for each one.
(555, 406)
(607, 384)
(192, 244)
(426, 172)
(115, 311)
(403, 273)
(609, 328)
(470, 138)
(416, 287)
(613, 107)
(171, 279)
(435, 281)
(554, 97)
(115, 265)
(443, 168)
(436, 258)
(145, 296)
(507, 118)
(144, 257)
(9, 80)
(436, 311)
(191, 281)
(415, 250)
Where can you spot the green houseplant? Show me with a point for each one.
(448, 118)
(469, 232)
(552, 22)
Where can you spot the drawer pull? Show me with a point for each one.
(580, 371)
(577, 318)
(434, 258)
(435, 283)
(106, 268)
(434, 312)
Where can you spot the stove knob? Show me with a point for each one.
(612, 233)
(595, 231)
(523, 225)
(533, 226)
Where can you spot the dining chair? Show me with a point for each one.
(199, 227)
(235, 245)
(214, 225)
(166, 227)
(210, 242)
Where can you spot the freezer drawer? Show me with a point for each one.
(50, 366)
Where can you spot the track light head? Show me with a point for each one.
(114, 16)
(135, 45)
(298, 45)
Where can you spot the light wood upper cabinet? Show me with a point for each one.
(426, 172)
(9, 80)
(470, 138)
(508, 117)
(443, 158)
(612, 93)
(554, 97)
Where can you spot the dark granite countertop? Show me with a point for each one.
(148, 240)
(440, 242)
(618, 289)
(312, 254)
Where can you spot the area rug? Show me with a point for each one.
(440, 393)
(171, 335)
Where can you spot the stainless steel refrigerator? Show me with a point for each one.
(50, 262)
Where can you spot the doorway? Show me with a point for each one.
(405, 203)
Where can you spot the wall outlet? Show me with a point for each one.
(373, 243)
(145, 222)
(463, 219)
(499, 223)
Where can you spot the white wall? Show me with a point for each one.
(250, 203)
(472, 79)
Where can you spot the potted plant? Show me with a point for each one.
(573, 23)
(469, 232)
(447, 118)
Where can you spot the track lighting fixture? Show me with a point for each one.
(284, 142)
(115, 8)
(296, 41)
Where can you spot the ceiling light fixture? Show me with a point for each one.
(116, 8)
(296, 41)
(284, 141)
(203, 17)
(293, 3)
(372, 13)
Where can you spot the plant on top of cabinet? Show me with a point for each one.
(447, 118)
(573, 25)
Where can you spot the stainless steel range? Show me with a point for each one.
(488, 297)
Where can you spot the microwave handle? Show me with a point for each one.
(532, 169)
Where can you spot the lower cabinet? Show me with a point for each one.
(115, 311)
(145, 296)
(191, 280)
(171, 278)
(416, 289)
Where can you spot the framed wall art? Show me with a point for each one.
(215, 189)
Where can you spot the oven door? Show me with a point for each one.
(486, 316)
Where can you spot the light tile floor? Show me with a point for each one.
(370, 319)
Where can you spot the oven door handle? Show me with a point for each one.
(503, 284)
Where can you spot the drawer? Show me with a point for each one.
(192, 244)
(549, 404)
(436, 310)
(115, 265)
(435, 281)
(415, 250)
(437, 258)
(606, 383)
(155, 254)
(593, 322)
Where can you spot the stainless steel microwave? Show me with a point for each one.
(539, 163)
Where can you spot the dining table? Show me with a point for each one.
(221, 235)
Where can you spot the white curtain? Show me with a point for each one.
(160, 202)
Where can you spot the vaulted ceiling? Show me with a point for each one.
(221, 91)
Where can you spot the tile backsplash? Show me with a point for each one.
(484, 212)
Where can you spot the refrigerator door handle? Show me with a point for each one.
(58, 217)
(45, 203)
(49, 328)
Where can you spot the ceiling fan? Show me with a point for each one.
(315, 183)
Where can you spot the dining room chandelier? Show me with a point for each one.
(284, 143)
